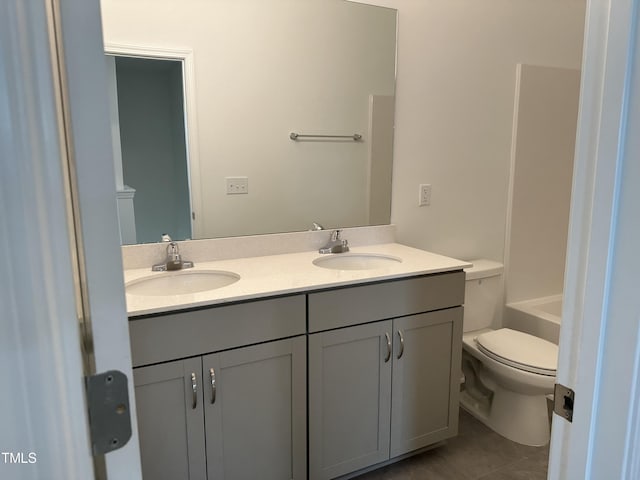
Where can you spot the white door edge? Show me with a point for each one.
(577, 449)
(44, 432)
(86, 82)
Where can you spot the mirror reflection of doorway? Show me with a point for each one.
(153, 181)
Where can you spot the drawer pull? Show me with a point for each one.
(212, 375)
(194, 388)
(401, 337)
(388, 356)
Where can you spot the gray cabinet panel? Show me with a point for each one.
(171, 431)
(380, 301)
(425, 379)
(349, 399)
(256, 426)
(185, 334)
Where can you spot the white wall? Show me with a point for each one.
(454, 108)
(261, 73)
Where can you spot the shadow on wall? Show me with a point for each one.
(545, 122)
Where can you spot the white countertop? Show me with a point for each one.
(288, 273)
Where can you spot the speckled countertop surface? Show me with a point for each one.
(273, 275)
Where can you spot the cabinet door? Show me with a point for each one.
(255, 412)
(170, 420)
(349, 399)
(426, 379)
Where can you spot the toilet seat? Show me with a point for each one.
(520, 350)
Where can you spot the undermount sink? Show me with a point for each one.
(356, 261)
(181, 282)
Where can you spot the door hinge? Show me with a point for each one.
(109, 417)
(563, 399)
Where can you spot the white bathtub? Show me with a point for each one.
(540, 317)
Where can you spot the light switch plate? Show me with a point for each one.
(424, 193)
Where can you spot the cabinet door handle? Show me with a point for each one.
(401, 337)
(212, 375)
(388, 356)
(194, 388)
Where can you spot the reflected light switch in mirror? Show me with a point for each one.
(237, 185)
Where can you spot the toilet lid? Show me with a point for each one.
(520, 350)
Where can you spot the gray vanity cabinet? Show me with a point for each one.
(221, 393)
(170, 420)
(382, 389)
(249, 404)
(235, 407)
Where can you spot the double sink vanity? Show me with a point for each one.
(294, 365)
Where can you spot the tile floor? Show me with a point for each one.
(477, 453)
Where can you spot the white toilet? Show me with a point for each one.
(508, 374)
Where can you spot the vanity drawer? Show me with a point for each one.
(355, 305)
(185, 334)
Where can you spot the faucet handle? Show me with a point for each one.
(335, 236)
(173, 261)
(173, 252)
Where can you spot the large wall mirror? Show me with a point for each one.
(206, 94)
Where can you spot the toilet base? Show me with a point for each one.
(520, 418)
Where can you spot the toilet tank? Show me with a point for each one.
(483, 294)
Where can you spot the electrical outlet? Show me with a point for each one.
(237, 185)
(424, 195)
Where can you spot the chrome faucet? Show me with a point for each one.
(173, 261)
(335, 244)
